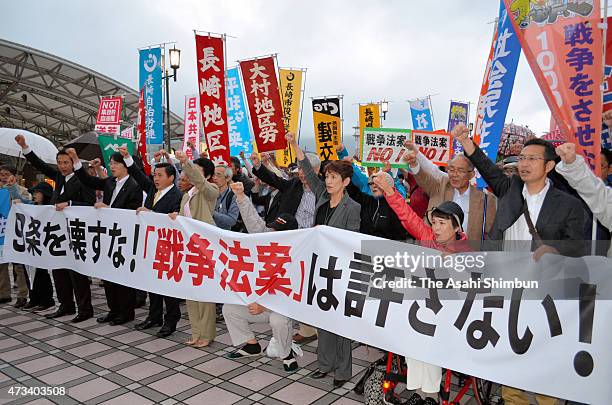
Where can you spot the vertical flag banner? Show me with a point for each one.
(150, 79)
(109, 115)
(327, 126)
(291, 96)
(607, 96)
(369, 116)
(493, 104)
(265, 108)
(110, 145)
(213, 107)
(238, 122)
(563, 46)
(142, 136)
(420, 109)
(5, 207)
(483, 92)
(458, 114)
(192, 124)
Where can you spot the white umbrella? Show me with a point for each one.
(43, 147)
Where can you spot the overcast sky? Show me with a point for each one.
(364, 50)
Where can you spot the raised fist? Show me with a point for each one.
(20, 139)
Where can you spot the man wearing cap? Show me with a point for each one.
(69, 191)
(238, 317)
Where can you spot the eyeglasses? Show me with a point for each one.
(453, 170)
(529, 159)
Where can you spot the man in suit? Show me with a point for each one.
(120, 191)
(163, 197)
(69, 191)
(454, 185)
(558, 218)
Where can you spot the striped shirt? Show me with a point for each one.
(306, 210)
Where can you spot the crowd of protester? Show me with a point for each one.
(541, 195)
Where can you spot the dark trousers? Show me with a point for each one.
(42, 289)
(69, 285)
(156, 309)
(121, 300)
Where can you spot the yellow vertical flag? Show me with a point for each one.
(369, 117)
(327, 126)
(291, 96)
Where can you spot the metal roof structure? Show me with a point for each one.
(56, 98)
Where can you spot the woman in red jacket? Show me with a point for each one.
(444, 234)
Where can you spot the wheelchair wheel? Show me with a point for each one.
(373, 387)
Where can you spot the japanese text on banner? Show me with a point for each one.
(109, 115)
(435, 146)
(265, 108)
(345, 283)
(493, 105)
(192, 125)
(565, 55)
(380, 145)
(291, 96)
(327, 126)
(240, 138)
(420, 110)
(213, 107)
(150, 80)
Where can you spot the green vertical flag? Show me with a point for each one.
(110, 145)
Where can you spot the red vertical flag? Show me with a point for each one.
(142, 136)
(265, 108)
(211, 82)
(563, 46)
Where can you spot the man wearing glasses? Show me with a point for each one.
(557, 219)
(454, 185)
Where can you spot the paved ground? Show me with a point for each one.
(119, 365)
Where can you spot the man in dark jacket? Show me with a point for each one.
(377, 218)
(557, 217)
(163, 197)
(68, 191)
(120, 191)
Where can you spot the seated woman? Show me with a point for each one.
(444, 234)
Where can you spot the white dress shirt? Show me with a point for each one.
(119, 184)
(163, 193)
(463, 200)
(520, 230)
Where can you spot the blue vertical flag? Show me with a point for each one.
(150, 79)
(5, 207)
(240, 138)
(493, 105)
(421, 114)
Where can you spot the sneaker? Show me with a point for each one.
(415, 399)
(248, 350)
(290, 364)
(429, 401)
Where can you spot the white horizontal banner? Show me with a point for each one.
(540, 341)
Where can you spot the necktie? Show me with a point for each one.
(157, 197)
